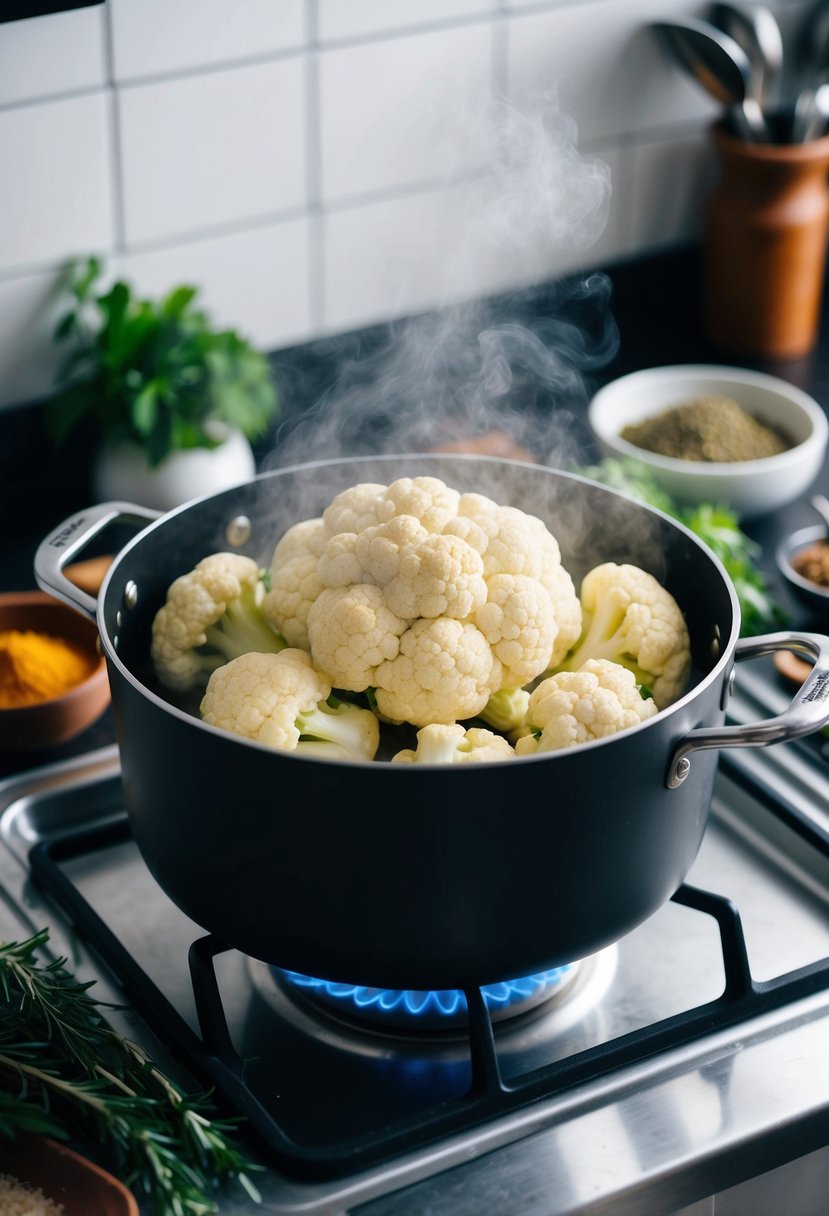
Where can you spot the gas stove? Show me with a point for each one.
(682, 1061)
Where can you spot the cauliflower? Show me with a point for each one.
(291, 595)
(281, 701)
(451, 744)
(572, 707)
(211, 614)
(631, 619)
(434, 599)
(506, 709)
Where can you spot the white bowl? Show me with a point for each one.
(749, 487)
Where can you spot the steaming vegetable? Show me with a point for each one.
(507, 709)
(281, 701)
(212, 614)
(632, 620)
(572, 707)
(444, 610)
(451, 744)
(433, 599)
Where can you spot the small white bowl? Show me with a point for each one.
(749, 487)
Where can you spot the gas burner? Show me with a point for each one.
(440, 1010)
(540, 1014)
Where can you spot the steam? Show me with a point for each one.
(473, 367)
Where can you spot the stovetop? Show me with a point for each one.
(687, 1057)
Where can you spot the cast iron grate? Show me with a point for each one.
(212, 1054)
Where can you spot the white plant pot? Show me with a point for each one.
(121, 473)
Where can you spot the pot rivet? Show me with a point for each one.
(238, 531)
(130, 594)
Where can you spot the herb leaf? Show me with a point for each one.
(717, 526)
(65, 1072)
(157, 373)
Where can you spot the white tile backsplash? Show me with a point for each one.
(57, 181)
(404, 111)
(44, 56)
(671, 182)
(214, 149)
(151, 37)
(255, 281)
(370, 18)
(317, 165)
(606, 66)
(400, 255)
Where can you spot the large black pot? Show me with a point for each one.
(403, 875)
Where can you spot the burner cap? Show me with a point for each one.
(406, 1009)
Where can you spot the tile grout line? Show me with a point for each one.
(116, 174)
(313, 170)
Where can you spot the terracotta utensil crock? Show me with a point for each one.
(764, 247)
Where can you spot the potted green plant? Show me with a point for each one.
(174, 401)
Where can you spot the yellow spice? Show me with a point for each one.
(37, 667)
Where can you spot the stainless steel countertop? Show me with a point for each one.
(651, 1138)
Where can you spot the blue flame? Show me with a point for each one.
(443, 1003)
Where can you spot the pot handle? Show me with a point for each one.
(70, 537)
(808, 712)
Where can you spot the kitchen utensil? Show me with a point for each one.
(409, 876)
(723, 69)
(812, 62)
(754, 28)
(811, 114)
(764, 247)
(750, 487)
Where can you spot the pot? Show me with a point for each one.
(412, 876)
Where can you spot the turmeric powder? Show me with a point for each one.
(37, 667)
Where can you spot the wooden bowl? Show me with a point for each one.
(65, 1177)
(50, 723)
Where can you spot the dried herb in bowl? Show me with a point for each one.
(711, 428)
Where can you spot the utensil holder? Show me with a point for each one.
(764, 247)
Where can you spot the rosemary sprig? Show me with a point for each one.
(64, 1071)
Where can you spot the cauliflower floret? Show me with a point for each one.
(573, 707)
(519, 623)
(354, 509)
(506, 710)
(513, 542)
(281, 701)
(445, 670)
(431, 502)
(431, 554)
(352, 632)
(294, 581)
(630, 618)
(211, 614)
(441, 576)
(451, 744)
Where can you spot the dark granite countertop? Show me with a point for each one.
(652, 303)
